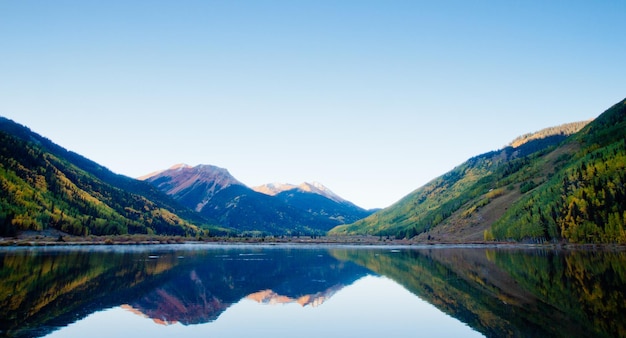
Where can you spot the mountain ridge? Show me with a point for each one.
(276, 188)
(309, 208)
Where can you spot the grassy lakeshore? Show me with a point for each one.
(56, 238)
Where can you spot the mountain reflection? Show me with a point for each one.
(43, 289)
(498, 292)
(207, 283)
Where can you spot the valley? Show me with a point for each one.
(560, 185)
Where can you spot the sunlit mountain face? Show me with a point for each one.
(192, 186)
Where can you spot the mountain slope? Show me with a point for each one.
(46, 186)
(322, 206)
(317, 199)
(218, 196)
(461, 204)
(585, 200)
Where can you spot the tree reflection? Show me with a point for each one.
(521, 293)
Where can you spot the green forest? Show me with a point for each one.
(585, 202)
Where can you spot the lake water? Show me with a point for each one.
(310, 291)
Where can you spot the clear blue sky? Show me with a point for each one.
(371, 98)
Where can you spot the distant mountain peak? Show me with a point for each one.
(200, 172)
(178, 166)
(320, 189)
(204, 179)
(274, 189)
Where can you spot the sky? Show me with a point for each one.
(373, 99)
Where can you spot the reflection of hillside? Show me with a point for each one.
(588, 286)
(509, 293)
(44, 289)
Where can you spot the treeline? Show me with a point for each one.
(563, 130)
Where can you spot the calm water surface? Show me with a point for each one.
(289, 291)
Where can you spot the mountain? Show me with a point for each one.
(584, 201)
(545, 186)
(320, 206)
(216, 195)
(317, 199)
(274, 189)
(46, 186)
(192, 186)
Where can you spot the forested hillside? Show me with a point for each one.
(545, 186)
(45, 186)
(585, 202)
(461, 204)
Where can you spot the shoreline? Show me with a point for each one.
(52, 239)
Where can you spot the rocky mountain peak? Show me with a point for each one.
(274, 189)
(201, 182)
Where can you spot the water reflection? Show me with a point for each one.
(387, 310)
(515, 293)
(311, 291)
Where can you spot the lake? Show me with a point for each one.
(210, 290)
